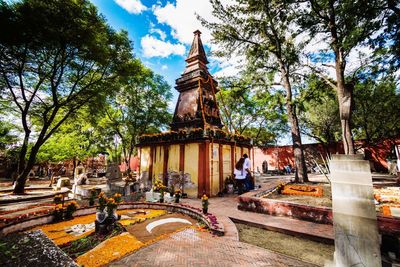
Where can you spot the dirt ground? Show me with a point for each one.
(302, 249)
(324, 201)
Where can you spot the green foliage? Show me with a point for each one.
(319, 112)
(343, 24)
(56, 57)
(248, 109)
(7, 135)
(377, 109)
(140, 107)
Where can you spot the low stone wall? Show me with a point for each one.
(253, 202)
(249, 202)
(210, 220)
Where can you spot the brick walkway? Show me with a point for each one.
(192, 248)
(225, 209)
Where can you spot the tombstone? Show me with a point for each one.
(31, 174)
(63, 182)
(79, 170)
(265, 166)
(354, 216)
(114, 177)
(113, 173)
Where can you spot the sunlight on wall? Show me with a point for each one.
(191, 166)
(173, 158)
(158, 161)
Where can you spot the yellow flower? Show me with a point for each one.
(111, 249)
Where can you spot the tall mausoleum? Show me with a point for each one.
(197, 145)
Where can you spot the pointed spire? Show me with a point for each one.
(197, 58)
(197, 50)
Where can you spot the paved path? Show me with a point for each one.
(225, 209)
(191, 248)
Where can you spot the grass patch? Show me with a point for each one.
(299, 248)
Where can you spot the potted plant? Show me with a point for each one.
(100, 214)
(204, 203)
(58, 213)
(70, 209)
(229, 184)
(177, 195)
(111, 206)
(158, 188)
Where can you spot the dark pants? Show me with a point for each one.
(249, 182)
(240, 185)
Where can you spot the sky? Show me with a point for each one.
(162, 32)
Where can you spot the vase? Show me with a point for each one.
(177, 199)
(101, 216)
(230, 189)
(161, 200)
(205, 210)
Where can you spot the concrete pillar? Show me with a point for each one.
(354, 216)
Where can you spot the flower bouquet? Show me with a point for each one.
(70, 209)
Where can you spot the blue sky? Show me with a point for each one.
(161, 31)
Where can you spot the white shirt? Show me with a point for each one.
(246, 164)
(239, 174)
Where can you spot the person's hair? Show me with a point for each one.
(245, 156)
(239, 164)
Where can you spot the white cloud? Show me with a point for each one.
(181, 17)
(159, 32)
(153, 47)
(164, 67)
(132, 6)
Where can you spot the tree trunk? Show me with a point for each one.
(345, 98)
(299, 160)
(21, 180)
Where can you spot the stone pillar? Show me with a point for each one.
(354, 216)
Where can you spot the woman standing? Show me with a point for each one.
(240, 175)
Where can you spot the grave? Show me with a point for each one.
(115, 183)
(354, 216)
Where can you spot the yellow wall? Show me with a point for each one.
(246, 151)
(191, 166)
(214, 169)
(227, 165)
(144, 159)
(158, 162)
(238, 153)
(173, 158)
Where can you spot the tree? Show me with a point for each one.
(76, 139)
(248, 109)
(56, 56)
(387, 43)
(141, 106)
(377, 109)
(319, 112)
(261, 30)
(344, 25)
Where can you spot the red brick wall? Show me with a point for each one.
(280, 156)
